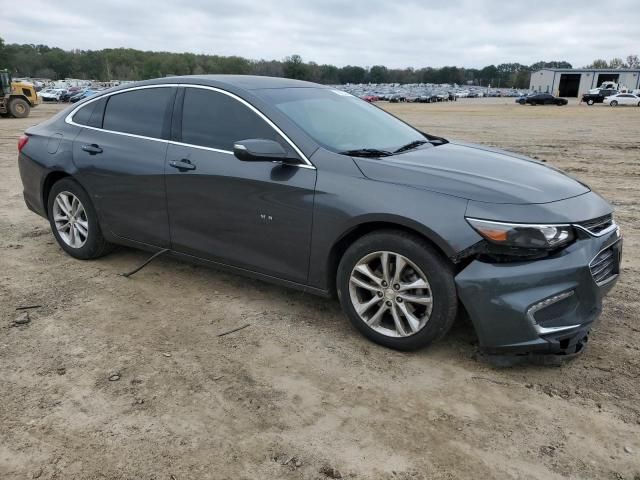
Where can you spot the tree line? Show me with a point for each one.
(632, 61)
(42, 61)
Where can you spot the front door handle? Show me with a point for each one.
(92, 149)
(184, 164)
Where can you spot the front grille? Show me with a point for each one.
(605, 265)
(597, 225)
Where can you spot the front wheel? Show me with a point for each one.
(614, 103)
(74, 221)
(590, 102)
(397, 290)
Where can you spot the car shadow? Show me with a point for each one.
(460, 342)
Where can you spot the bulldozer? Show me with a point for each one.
(16, 98)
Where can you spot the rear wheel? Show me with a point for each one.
(19, 108)
(614, 103)
(74, 221)
(397, 290)
(590, 102)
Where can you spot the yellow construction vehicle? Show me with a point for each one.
(16, 98)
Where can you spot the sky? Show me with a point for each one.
(398, 34)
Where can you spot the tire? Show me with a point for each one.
(590, 102)
(90, 245)
(614, 103)
(19, 108)
(432, 309)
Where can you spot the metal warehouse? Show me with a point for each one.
(572, 82)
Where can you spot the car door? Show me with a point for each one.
(120, 155)
(626, 99)
(252, 215)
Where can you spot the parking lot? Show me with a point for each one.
(117, 378)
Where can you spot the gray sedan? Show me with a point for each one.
(312, 188)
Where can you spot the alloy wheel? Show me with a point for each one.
(390, 294)
(70, 219)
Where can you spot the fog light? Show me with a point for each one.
(544, 304)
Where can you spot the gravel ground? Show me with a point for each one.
(116, 378)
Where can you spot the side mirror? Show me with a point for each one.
(259, 150)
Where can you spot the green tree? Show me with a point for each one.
(329, 74)
(294, 67)
(131, 64)
(351, 74)
(378, 74)
(599, 63)
(3, 54)
(616, 63)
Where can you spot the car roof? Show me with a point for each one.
(243, 82)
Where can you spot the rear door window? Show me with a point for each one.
(215, 120)
(142, 112)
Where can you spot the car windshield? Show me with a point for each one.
(341, 122)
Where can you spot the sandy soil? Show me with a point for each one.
(299, 394)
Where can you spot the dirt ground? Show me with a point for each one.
(299, 394)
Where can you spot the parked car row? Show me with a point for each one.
(606, 96)
(622, 99)
(422, 92)
(72, 94)
(612, 94)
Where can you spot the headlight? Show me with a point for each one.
(523, 235)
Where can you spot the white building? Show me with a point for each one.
(573, 82)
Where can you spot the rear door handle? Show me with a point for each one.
(184, 164)
(92, 149)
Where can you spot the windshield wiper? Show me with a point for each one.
(367, 152)
(435, 141)
(410, 146)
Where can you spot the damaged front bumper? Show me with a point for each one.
(541, 306)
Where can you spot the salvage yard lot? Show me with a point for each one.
(299, 394)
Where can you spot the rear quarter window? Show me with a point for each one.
(97, 113)
(82, 116)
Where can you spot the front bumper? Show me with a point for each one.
(541, 306)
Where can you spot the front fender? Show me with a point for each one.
(344, 203)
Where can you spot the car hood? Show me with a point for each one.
(474, 172)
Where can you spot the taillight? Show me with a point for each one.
(22, 141)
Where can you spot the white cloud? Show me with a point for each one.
(358, 32)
